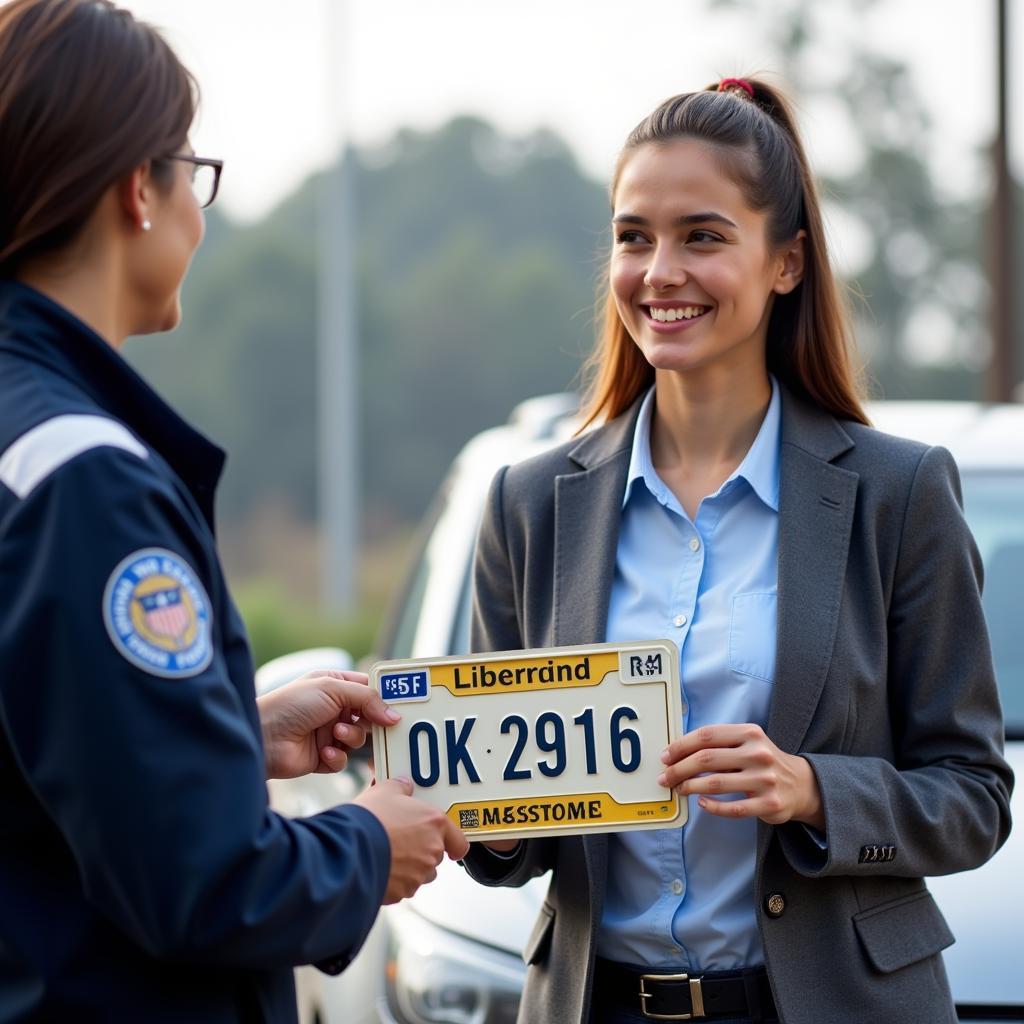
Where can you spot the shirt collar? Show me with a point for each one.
(760, 466)
(35, 327)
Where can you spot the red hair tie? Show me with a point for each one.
(727, 84)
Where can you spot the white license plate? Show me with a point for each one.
(533, 743)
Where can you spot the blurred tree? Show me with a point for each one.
(476, 268)
(922, 292)
(475, 257)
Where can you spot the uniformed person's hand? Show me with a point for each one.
(311, 723)
(419, 833)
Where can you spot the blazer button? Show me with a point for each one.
(775, 904)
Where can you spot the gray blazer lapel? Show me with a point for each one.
(588, 507)
(816, 506)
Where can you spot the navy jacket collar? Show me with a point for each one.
(35, 327)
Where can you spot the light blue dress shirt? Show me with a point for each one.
(685, 898)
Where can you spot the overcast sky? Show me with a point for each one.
(272, 74)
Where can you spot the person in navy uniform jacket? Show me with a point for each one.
(142, 873)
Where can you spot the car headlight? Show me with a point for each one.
(437, 977)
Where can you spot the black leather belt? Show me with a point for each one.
(706, 996)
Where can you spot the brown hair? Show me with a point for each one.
(808, 331)
(87, 93)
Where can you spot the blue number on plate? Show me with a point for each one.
(551, 745)
(433, 770)
(511, 771)
(456, 752)
(625, 735)
(586, 719)
(549, 735)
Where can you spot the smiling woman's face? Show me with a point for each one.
(692, 273)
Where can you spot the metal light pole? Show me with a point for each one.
(1002, 372)
(338, 475)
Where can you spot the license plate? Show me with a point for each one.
(534, 743)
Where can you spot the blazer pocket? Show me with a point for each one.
(903, 931)
(752, 635)
(537, 945)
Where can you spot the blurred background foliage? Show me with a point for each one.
(278, 624)
(475, 260)
(477, 257)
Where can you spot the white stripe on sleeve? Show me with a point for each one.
(42, 450)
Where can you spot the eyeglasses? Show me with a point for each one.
(205, 176)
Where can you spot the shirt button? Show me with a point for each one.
(676, 887)
(679, 620)
(694, 544)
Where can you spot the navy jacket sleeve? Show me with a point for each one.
(157, 784)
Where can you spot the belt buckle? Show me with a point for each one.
(696, 997)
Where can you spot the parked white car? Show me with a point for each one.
(451, 954)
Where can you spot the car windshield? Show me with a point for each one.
(994, 505)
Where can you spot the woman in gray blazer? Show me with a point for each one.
(843, 733)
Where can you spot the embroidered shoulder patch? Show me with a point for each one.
(157, 614)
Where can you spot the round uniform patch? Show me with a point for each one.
(158, 615)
